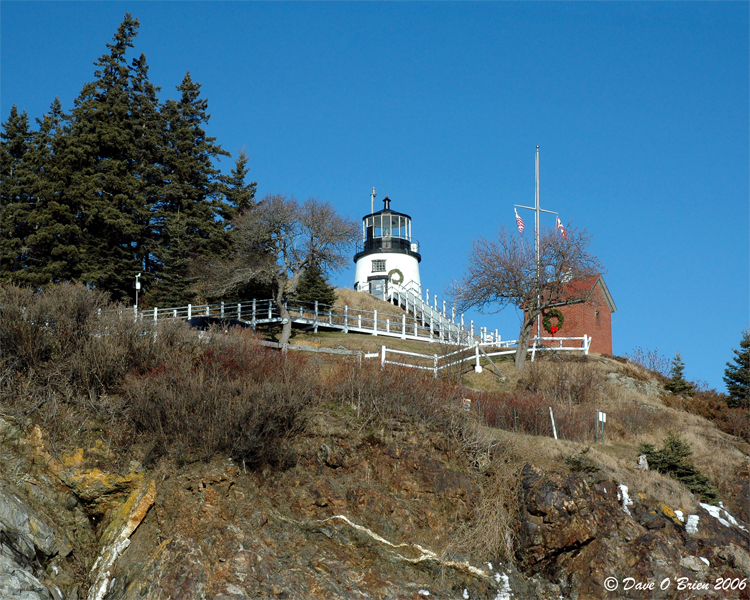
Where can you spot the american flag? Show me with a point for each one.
(519, 222)
(562, 229)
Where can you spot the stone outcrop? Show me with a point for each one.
(574, 536)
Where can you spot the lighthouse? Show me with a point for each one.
(387, 255)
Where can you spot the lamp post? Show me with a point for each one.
(137, 287)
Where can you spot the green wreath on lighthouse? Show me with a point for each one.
(396, 276)
(546, 321)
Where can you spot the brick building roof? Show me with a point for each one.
(585, 286)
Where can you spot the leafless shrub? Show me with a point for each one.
(39, 329)
(711, 405)
(564, 380)
(396, 395)
(650, 359)
(491, 533)
(233, 397)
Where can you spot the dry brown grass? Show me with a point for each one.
(361, 301)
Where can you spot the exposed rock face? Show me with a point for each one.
(358, 516)
(26, 545)
(576, 536)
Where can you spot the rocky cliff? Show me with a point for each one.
(359, 516)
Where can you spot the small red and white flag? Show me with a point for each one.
(562, 229)
(519, 222)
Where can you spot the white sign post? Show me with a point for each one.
(601, 419)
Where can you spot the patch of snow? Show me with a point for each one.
(424, 593)
(466, 594)
(489, 564)
(692, 524)
(716, 513)
(705, 560)
(623, 495)
(504, 593)
(680, 515)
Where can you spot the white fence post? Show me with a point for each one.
(315, 326)
(155, 314)
(375, 323)
(208, 310)
(239, 311)
(222, 310)
(403, 327)
(346, 318)
(190, 311)
(382, 357)
(552, 418)
(434, 364)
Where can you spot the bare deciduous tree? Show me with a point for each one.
(277, 241)
(503, 272)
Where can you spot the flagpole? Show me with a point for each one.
(537, 220)
(536, 241)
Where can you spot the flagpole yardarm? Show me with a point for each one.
(537, 218)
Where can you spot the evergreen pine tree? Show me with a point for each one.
(239, 196)
(15, 202)
(173, 286)
(737, 375)
(149, 130)
(193, 185)
(314, 286)
(674, 460)
(53, 245)
(103, 174)
(677, 383)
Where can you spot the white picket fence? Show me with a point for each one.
(421, 325)
(416, 326)
(474, 353)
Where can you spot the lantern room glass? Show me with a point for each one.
(388, 225)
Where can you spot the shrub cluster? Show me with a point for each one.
(674, 460)
(528, 412)
(232, 397)
(570, 380)
(82, 361)
(92, 366)
(394, 395)
(714, 407)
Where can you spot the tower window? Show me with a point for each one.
(378, 266)
(598, 321)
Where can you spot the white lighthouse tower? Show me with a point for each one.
(387, 254)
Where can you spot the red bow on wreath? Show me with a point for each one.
(553, 330)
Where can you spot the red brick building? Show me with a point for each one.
(592, 315)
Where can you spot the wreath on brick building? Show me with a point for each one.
(547, 321)
(396, 276)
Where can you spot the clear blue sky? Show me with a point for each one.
(640, 111)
